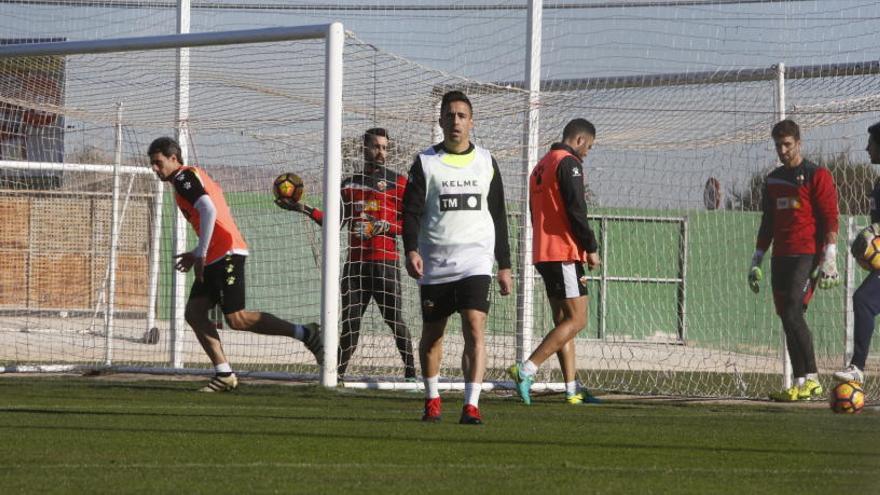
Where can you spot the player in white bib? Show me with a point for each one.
(454, 230)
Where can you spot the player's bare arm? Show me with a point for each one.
(414, 266)
(505, 281)
(593, 260)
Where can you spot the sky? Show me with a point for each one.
(489, 43)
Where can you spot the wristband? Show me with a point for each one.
(758, 257)
(313, 213)
(830, 251)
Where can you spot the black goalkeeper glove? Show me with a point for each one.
(290, 205)
(367, 229)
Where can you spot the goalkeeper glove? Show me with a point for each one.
(367, 229)
(381, 227)
(755, 277)
(291, 205)
(826, 272)
(755, 273)
(288, 204)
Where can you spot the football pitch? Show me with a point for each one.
(99, 435)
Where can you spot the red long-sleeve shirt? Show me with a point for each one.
(799, 208)
(369, 197)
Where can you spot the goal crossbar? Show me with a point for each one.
(705, 77)
(74, 167)
(185, 40)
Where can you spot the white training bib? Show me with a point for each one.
(457, 235)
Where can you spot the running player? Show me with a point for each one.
(218, 264)
(454, 229)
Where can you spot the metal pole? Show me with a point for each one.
(436, 130)
(172, 41)
(178, 290)
(155, 245)
(780, 91)
(531, 137)
(670, 79)
(848, 316)
(682, 285)
(75, 167)
(780, 115)
(114, 244)
(602, 307)
(332, 195)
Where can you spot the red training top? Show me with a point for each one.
(367, 197)
(799, 207)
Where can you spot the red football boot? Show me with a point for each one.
(470, 415)
(432, 410)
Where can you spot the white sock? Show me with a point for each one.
(571, 388)
(299, 332)
(813, 376)
(800, 381)
(432, 387)
(223, 368)
(472, 393)
(529, 368)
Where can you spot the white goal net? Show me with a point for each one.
(669, 313)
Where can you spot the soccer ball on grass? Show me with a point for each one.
(847, 398)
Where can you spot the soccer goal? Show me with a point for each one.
(87, 279)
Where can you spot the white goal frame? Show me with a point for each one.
(334, 35)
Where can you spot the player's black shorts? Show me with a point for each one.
(224, 283)
(362, 280)
(791, 280)
(563, 279)
(441, 300)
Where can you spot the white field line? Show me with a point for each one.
(469, 466)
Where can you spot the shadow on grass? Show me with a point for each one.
(616, 445)
(225, 414)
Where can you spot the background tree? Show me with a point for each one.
(854, 181)
(89, 154)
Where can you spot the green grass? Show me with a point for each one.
(83, 435)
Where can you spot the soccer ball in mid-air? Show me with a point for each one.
(866, 247)
(288, 186)
(847, 398)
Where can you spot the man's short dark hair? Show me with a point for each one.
(452, 96)
(785, 128)
(167, 146)
(874, 131)
(577, 127)
(375, 131)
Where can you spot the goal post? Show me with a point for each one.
(334, 35)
